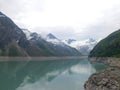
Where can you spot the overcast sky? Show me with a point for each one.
(78, 19)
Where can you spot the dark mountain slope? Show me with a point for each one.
(108, 47)
(11, 38)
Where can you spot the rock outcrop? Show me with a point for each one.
(105, 80)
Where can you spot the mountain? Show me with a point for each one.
(53, 39)
(69, 41)
(57, 45)
(12, 39)
(108, 47)
(51, 36)
(52, 45)
(15, 41)
(84, 46)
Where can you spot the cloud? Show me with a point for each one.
(62, 32)
(106, 25)
(78, 19)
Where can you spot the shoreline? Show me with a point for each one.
(110, 61)
(40, 58)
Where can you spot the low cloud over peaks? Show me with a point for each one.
(78, 19)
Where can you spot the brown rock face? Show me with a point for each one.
(105, 80)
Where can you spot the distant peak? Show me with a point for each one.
(51, 36)
(69, 41)
(91, 40)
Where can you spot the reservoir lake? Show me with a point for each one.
(56, 74)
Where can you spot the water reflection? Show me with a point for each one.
(45, 75)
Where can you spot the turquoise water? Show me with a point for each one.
(46, 75)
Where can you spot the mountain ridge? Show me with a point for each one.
(83, 46)
(15, 42)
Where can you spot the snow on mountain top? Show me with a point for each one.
(84, 46)
(30, 35)
(82, 42)
(69, 41)
(51, 36)
(27, 33)
(54, 40)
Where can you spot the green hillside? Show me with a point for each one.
(108, 47)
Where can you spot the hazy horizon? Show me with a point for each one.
(76, 19)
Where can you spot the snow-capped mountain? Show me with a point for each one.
(69, 41)
(50, 43)
(27, 33)
(84, 46)
(59, 44)
(52, 39)
(15, 41)
(31, 35)
(51, 36)
(21, 42)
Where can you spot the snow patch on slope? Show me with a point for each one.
(52, 39)
(89, 42)
(27, 33)
(84, 46)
